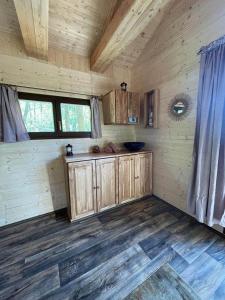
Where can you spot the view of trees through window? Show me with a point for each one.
(75, 117)
(40, 117)
(37, 115)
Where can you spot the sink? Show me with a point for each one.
(134, 146)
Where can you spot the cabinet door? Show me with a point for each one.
(146, 174)
(109, 108)
(107, 183)
(126, 178)
(121, 107)
(82, 188)
(133, 108)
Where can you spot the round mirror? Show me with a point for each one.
(179, 107)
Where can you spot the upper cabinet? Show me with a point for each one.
(121, 107)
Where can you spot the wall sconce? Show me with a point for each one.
(123, 86)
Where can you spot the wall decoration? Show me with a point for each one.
(179, 107)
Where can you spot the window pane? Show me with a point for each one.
(37, 115)
(75, 117)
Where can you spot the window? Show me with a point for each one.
(55, 117)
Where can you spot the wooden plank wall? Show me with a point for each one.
(32, 176)
(171, 64)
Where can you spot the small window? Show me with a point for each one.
(37, 115)
(75, 117)
(55, 117)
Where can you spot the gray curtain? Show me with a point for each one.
(95, 118)
(12, 128)
(206, 199)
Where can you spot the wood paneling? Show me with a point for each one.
(118, 34)
(82, 189)
(40, 168)
(107, 183)
(8, 19)
(73, 27)
(33, 20)
(78, 26)
(77, 29)
(171, 64)
(132, 52)
(39, 163)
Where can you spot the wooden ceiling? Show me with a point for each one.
(105, 30)
(77, 26)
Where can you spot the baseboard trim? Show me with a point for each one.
(57, 213)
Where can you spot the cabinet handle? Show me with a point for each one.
(137, 177)
(94, 187)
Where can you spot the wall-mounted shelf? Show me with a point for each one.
(151, 109)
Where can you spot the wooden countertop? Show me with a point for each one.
(89, 156)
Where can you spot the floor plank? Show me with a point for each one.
(106, 279)
(86, 260)
(34, 287)
(164, 284)
(205, 276)
(109, 255)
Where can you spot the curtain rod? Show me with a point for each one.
(48, 90)
(213, 45)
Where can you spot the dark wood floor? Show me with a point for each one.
(110, 255)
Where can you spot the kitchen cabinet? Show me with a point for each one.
(121, 107)
(135, 176)
(97, 182)
(82, 185)
(107, 185)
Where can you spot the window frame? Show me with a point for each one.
(57, 117)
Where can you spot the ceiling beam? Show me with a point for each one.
(129, 20)
(33, 20)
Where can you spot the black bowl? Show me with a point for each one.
(134, 146)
